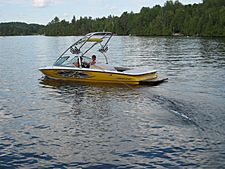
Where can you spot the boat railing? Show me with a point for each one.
(74, 49)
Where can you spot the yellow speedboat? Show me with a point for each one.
(65, 69)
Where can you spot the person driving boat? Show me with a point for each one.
(93, 61)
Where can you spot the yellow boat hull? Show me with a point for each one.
(93, 76)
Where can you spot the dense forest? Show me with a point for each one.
(174, 18)
(20, 28)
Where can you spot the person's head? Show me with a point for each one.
(93, 57)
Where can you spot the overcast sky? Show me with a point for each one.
(43, 11)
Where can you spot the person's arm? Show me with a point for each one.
(76, 64)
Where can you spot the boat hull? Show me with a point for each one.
(97, 76)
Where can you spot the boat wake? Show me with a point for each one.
(188, 113)
(182, 110)
(182, 115)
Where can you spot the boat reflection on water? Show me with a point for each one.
(67, 90)
(88, 100)
(48, 82)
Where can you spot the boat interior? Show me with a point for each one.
(67, 61)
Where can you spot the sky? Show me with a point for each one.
(43, 11)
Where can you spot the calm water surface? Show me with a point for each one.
(178, 124)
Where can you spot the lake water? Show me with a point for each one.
(178, 124)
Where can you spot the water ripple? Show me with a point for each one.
(53, 124)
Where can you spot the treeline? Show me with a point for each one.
(174, 18)
(20, 28)
(204, 19)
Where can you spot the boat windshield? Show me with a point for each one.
(71, 60)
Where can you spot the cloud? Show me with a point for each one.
(41, 3)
